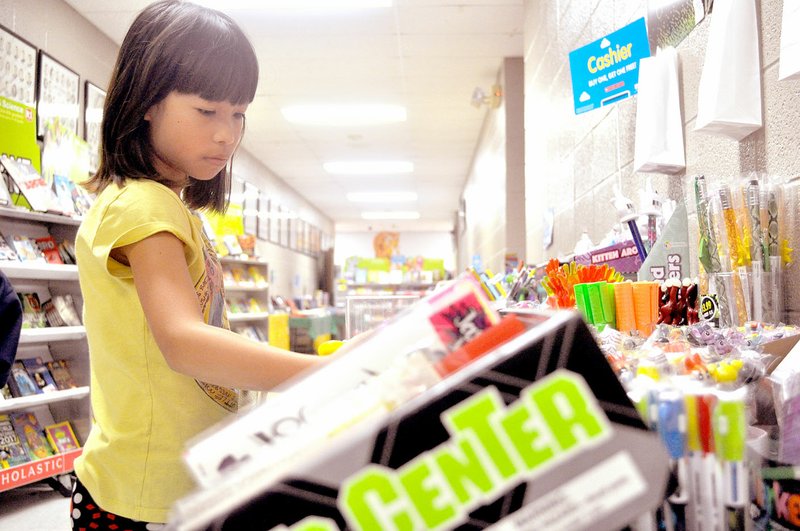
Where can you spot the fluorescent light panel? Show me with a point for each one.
(390, 214)
(344, 115)
(293, 4)
(368, 167)
(381, 197)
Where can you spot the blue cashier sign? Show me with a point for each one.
(607, 70)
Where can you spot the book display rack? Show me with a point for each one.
(49, 383)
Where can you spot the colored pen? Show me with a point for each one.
(709, 252)
(695, 463)
(734, 314)
(734, 247)
(672, 427)
(708, 495)
(757, 255)
(627, 215)
(773, 199)
(730, 432)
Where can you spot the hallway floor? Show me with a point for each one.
(35, 507)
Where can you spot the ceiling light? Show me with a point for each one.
(390, 214)
(381, 197)
(479, 97)
(367, 167)
(344, 115)
(293, 4)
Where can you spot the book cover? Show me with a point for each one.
(40, 374)
(7, 253)
(5, 392)
(20, 382)
(59, 369)
(31, 184)
(49, 248)
(12, 451)
(65, 305)
(32, 313)
(26, 248)
(61, 437)
(67, 251)
(62, 189)
(61, 374)
(51, 314)
(5, 195)
(30, 432)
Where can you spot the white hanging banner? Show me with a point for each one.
(659, 128)
(790, 41)
(729, 101)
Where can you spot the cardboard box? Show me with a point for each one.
(536, 434)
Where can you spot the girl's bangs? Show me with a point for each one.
(225, 72)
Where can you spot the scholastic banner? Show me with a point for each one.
(606, 70)
(18, 124)
(669, 257)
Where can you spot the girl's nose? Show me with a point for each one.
(227, 132)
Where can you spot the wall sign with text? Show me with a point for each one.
(607, 70)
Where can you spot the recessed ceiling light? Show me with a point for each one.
(390, 214)
(344, 115)
(293, 4)
(381, 197)
(367, 167)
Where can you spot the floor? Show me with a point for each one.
(35, 507)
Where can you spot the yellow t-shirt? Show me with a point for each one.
(143, 411)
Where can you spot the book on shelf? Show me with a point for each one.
(62, 189)
(32, 314)
(51, 314)
(12, 451)
(256, 276)
(5, 392)
(20, 382)
(30, 432)
(27, 250)
(61, 437)
(67, 251)
(7, 253)
(49, 249)
(5, 195)
(253, 332)
(34, 189)
(40, 374)
(59, 369)
(65, 305)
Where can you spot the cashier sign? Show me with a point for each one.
(607, 70)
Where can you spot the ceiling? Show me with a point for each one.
(427, 55)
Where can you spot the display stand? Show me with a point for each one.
(53, 343)
(536, 434)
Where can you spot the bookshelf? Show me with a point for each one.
(247, 295)
(69, 343)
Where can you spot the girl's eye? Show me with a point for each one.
(239, 116)
(205, 112)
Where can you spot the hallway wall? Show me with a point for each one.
(574, 161)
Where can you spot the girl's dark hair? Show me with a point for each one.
(171, 46)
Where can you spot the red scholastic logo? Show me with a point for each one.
(29, 114)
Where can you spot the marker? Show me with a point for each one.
(672, 427)
(730, 433)
(708, 493)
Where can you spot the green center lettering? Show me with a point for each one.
(492, 447)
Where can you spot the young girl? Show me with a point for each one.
(164, 365)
